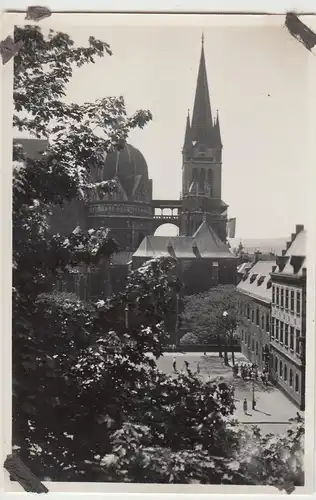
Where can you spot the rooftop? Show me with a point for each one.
(256, 283)
(203, 244)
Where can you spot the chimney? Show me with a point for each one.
(283, 253)
(293, 235)
(299, 228)
(288, 244)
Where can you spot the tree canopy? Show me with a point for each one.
(89, 403)
(203, 313)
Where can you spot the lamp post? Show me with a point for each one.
(253, 390)
(126, 316)
(225, 315)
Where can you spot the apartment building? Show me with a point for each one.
(288, 318)
(255, 290)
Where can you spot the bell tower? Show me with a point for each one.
(202, 164)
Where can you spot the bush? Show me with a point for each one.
(189, 338)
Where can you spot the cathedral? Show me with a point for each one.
(132, 215)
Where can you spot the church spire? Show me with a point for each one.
(217, 132)
(187, 138)
(202, 123)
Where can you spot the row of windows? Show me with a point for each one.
(254, 314)
(285, 298)
(249, 341)
(281, 370)
(286, 335)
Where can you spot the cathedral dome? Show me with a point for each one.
(127, 165)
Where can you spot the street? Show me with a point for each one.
(273, 408)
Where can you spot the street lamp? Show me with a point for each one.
(225, 315)
(126, 316)
(253, 390)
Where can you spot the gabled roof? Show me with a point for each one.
(294, 259)
(203, 244)
(255, 285)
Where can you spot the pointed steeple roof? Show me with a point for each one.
(187, 138)
(217, 132)
(202, 123)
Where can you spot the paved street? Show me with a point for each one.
(273, 408)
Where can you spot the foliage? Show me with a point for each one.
(189, 338)
(204, 312)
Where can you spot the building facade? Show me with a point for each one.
(288, 318)
(203, 259)
(255, 289)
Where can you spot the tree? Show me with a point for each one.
(189, 338)
(78, 137)
(206, 316)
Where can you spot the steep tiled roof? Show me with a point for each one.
(202, 128)
(294, 259)
(255, 285)
(203, 244)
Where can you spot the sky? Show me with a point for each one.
(258, 80)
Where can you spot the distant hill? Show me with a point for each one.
(263, 245)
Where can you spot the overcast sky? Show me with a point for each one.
(258, 82)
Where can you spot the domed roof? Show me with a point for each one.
(126, 164)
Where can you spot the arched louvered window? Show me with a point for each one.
(210, 181)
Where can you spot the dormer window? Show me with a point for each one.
(245, 277)
(253, 277)
(260, 280)
(269, 284)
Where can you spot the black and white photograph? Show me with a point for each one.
(160, 236)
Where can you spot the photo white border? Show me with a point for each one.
(63, 20)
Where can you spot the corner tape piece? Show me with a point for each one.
(22, 474)
(9, 49)
(37, 13)
(300, 31)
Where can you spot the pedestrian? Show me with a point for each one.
(186, 364)
(198, 368)
(245, 406)
(174, 364)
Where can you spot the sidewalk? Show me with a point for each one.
(273, 409)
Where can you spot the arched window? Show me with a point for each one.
(281, 369)
(291, 378)
(285, 372)
(141, 236)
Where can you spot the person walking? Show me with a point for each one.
(245, 406)
(198, 368)
(174, 364)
